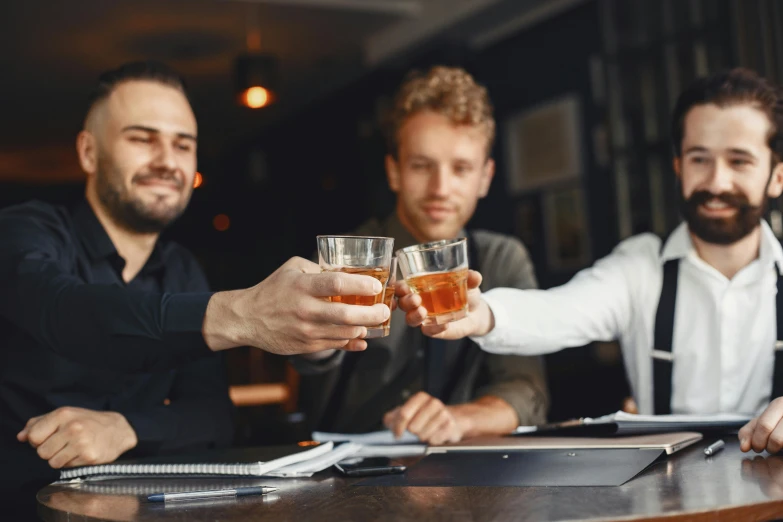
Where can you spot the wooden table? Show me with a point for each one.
(728, 486)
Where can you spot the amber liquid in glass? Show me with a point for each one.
(382, 275)
(387, 299)
(444, 295)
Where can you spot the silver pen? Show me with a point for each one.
(215, 493)
(714, 448)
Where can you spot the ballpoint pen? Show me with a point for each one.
(714, 448)
(215, 493)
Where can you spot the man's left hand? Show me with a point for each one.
(427, 418)
(765, 432)
(68, 437)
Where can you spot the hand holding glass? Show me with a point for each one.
(438, 272)
(363, 255)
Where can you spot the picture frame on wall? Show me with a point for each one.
(566, 229)
(544, 145)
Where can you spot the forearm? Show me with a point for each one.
(104, 326)
(536, 322)
(222, 322)
(487, 415)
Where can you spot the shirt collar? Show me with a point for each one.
(91, 233)
(679, 245)
(97, 242)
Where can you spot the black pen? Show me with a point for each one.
(714, 448)
(215, 493)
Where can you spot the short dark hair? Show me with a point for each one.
(148, 70)
(736, 86)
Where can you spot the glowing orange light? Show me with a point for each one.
(306, 443)
(221, 222)
(255, 97)
(198, 180)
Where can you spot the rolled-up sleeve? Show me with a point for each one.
(520, 382)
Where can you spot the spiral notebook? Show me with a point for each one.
(301, 464)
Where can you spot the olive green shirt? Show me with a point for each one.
(390, 370)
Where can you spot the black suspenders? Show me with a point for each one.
(663, 360)
(777, 373)
(663, 336)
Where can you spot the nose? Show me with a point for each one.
(440, 181)
(164, 157)
(720, 178)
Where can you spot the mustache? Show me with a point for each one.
(170, 177)
(733, 199)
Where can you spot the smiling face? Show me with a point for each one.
(725, 169)
(440, 173)
(139, 152)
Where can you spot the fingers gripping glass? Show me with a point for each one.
(438, 272)
(363, 255)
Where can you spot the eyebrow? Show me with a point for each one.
(156, 131)
(741, 152)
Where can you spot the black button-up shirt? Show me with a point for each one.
(73, 333)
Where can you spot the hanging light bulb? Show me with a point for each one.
(256, 73)
(256, 80)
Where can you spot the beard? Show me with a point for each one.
(722, 231)
(131, 212)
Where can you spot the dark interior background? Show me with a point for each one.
(312, 162)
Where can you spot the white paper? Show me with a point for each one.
(366, 439)
(525, 429)
(308, 467)
(663, 419)
(389, 450)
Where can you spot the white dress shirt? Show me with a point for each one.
(724, 329)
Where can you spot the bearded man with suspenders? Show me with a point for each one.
(697, 314)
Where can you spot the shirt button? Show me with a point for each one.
(406, 393)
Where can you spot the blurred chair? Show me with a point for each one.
(283, 393)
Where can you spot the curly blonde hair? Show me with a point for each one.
(449, 91)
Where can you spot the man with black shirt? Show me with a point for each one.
(107, 335)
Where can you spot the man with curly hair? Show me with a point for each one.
(441, 132)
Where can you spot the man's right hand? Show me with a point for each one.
(288, 312)
(479, 320)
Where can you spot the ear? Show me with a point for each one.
(86, 148)
(487, 173)
(775, 187)
(677, 164)
(392, 173)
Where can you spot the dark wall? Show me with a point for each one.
(547, 62)
(544, 63)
